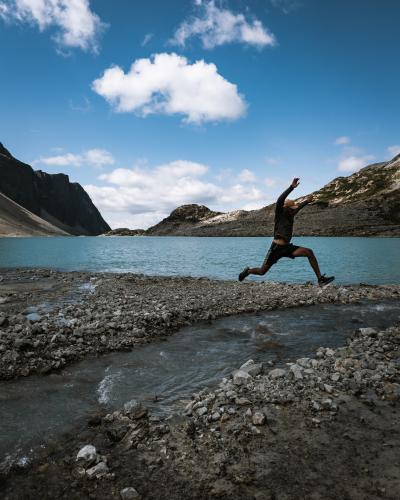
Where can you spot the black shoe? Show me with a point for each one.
(244, 274)
(324, 280)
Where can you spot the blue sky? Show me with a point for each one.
(230, 101)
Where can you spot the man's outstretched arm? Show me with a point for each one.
(281, 200)
(301, 205)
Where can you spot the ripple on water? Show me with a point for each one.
(161, 375)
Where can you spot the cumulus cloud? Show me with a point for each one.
(75, 24)
(353, 163)
(215, 26)
(393, 151)
(169, 84)
(140, 197)
(92, 157)
(342, 140)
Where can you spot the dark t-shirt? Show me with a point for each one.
(284, 217)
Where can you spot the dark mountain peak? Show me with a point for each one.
(51, 197)
(4, 151)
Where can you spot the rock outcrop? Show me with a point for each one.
(124, 231)
(366, 203)
(183, 219)
(51, 197)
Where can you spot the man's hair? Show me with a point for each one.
(289, 203)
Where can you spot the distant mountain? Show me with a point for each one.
(366, 203)
(50, 197)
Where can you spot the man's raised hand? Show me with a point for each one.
(295, 182)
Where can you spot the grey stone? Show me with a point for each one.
(97, 471)
(129, 494)
(277, 373)
(258, 418)
(241, 377)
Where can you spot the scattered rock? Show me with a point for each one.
(129, 494)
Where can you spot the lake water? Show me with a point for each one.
(351, 260)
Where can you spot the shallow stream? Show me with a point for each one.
(39, 408)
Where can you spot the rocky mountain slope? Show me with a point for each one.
(17, 221)
(51, 197)
(366, 203)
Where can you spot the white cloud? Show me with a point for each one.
(246, 176)
(169, 84)
(215, 26)
(393, 151)
(353, 163)
(342, 140)
(140, 197)
(93, 157)
(76, 25)
(146, 39)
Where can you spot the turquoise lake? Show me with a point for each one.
(351, 260)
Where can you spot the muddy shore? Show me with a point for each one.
(325, 427)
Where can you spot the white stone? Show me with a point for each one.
(367, 331)
(129, 494)
(87, 453)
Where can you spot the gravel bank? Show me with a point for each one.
(325, 427)
(92, 313)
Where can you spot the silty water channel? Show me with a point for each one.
(37, 409)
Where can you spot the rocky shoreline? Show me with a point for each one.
(324, 427)
(87, 314)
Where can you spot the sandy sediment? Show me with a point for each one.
(49, 319)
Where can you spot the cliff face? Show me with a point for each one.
(366, 203)
(17, 221)
(51, 197)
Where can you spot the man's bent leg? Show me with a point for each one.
(307, 252)
(260, 271)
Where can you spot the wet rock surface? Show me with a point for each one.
(323, 427)
(88, 314)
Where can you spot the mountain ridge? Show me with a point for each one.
(51, 197)
(366, 203)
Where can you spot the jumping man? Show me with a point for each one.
(285, 211)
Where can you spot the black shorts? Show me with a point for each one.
(276, 252)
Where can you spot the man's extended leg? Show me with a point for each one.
(260, 271)
(307, 252)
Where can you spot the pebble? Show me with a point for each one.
(129, 493)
